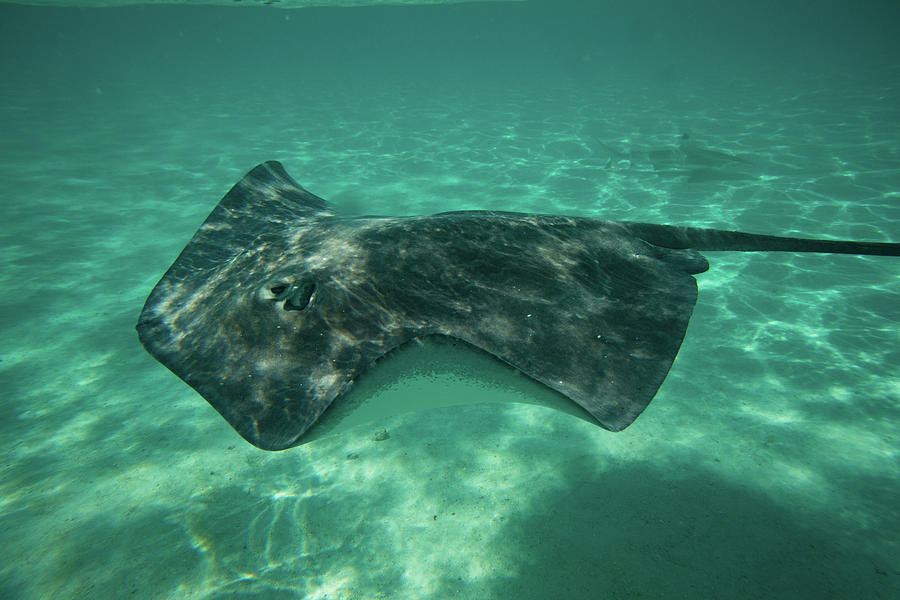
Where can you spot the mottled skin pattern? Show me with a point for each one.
(277, 304)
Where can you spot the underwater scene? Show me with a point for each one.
(767, 464)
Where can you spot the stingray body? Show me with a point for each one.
(278, 304)
(688, 156)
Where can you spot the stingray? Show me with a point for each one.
(278, 304)
(688, 156)
(698, 155)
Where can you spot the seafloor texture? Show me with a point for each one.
(766, 467)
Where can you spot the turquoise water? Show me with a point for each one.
(766, 467)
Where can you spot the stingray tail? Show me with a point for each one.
(718, 239)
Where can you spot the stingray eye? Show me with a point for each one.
(300, 296)
(295, 296)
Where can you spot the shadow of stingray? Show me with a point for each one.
(643, 532)
(480, 502)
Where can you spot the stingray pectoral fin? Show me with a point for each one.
(613, 362)
(215, 318)
(603, 332)
(271, 386)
